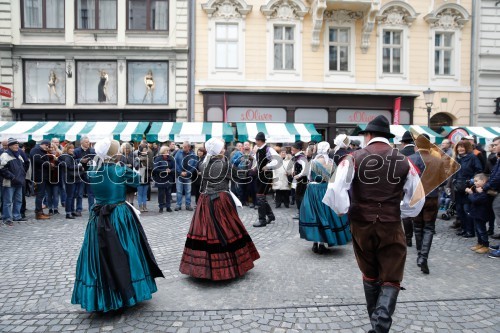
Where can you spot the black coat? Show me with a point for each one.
(160, 176)
(12, 169)
(408, 150)
(69, 169)
(40, 165)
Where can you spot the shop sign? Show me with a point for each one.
(360, 116)
(5, 92)
(457, 134)
(256, 115)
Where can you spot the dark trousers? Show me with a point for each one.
(300, 192)
(23, 205)
(380, 249)
(71, 194)
(165, 196)
(249, 191)
(408, 227)
(283, 197)
(482, 232)
(39, 195)
(463, 207)
(264, 207)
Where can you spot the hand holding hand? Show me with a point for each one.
(468, 191)
(479, 189)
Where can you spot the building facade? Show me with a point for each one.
(97, 60)
(336, 64)
(486, 81)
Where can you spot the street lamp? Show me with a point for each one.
(429, 101)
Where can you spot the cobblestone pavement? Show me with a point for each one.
(290, 289)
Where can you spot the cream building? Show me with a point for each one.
(336, 64)
(96, 59)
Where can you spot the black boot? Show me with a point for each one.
(372, 291)
(408, 227)
(269, 213)
(381, 318)
(262, 222)
(418, 229)
(428, 234)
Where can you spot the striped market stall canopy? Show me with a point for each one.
(72, 131)
(399, 130)
(278, 132)
(189, 131)
(484, 134)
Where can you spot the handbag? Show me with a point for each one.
(459, 185)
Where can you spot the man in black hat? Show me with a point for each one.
(376, 178)
(408, 150)
(267, 160)
(13, 169)
(300, 172)
(40, 168)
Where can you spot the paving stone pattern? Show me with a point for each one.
(290, 289)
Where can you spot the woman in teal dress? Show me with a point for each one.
(318, 222)
(116, 267)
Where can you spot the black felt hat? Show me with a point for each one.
(380, 126)
(260, 137)
(407, 138)
(298, 145)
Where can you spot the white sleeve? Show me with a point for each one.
(414, 198)
(275, 159)
(337, 196)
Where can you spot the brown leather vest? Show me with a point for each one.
(377, 187)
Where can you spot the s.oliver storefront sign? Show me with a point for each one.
(250, 114)
(349, 116)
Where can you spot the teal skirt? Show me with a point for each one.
(318, 222)
(89, 289)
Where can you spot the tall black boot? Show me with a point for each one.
(408, 227)
(262, 222)
(269, 213)
(418, 229)
(381, 318)
(372, 291)
(428, 234)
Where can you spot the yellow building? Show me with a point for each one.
(336, 64)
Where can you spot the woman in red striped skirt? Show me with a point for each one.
(218, 246)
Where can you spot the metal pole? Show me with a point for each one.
(429, 116)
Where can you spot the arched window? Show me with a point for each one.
(439, 120)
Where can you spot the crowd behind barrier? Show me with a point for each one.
(56, 173)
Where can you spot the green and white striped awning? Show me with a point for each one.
(189, 131)
(278, 132)
(484, 134)
(399, 130)
(72, 131)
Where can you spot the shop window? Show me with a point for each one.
(147, 82)
(215, 114)
(226, 45)
(43, 14)
(440, 120)
(44, 82)
(314, 116)
(284, 45)
(96, 14)
(149, 15)
(96, 82)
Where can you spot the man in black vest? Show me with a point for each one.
(408, 150)
(267, 160)
(300, 173)
(377, 177)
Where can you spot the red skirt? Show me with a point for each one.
(219, 250)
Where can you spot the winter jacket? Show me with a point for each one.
(40, 166)
(12, 169)
(161, 178)
(481, 206)
(185, 162)
(69, 169)
(469, 167)
(494, 181)
(408, 150)
(281, 182)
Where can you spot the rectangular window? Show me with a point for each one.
(443, 53)
(339, 41)
(148, 15)
(96, 14)
(147, 82)
(284, 44)
(226, 46)
(96, 82)
(392, 51)
(43, 14)
(44, 82)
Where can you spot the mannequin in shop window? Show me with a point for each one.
(102, 89)
(150, 86)
(51, 85)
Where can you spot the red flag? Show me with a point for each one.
(397, 109)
